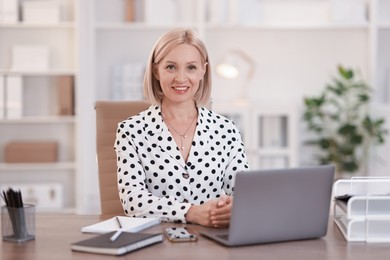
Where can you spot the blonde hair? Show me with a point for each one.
(168, 41)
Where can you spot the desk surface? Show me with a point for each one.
(55, 233)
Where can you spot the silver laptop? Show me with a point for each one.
(278, 205)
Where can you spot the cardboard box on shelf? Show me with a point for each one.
(31, 152)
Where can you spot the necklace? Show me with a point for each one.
(182, 136)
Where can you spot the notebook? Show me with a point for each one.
(278, 205)
(125, 223)
(125, 243)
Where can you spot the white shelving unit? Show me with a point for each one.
(40, 120)
(269, 133)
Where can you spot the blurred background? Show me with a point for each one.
(57, 57)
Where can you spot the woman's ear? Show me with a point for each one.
(155, 71)
(204, 69)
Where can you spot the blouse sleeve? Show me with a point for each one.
(136, 199)
(237, 160)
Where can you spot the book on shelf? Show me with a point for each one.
(130, 10)
(125, 243)
(13, 97)
(65, 95)
(273, 131)
(127, 81)
(129, 224)
(2, 97)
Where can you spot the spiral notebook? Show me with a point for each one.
(124, 223)
(126, 243)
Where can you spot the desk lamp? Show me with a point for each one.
(233, 63)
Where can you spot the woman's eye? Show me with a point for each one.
(170, 67)
(192, 67)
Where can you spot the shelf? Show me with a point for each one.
(43, 92)
(283, 26)
(56, 211)
(261, 151)
(385, 26)
(134, 26)
(38, 73)
(63, 25)
(144, 26)
(40, 120)
(37, 166)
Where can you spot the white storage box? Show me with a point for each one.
(365, 215)
(349, 11)
(41, 12)
(9, 11)
(30, 58)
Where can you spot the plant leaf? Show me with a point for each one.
(345, 73)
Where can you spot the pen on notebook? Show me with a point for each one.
(117, 233)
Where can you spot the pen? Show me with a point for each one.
(118, 221)
(117, 233)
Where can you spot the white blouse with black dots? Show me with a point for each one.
(153, 178)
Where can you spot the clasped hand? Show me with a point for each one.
(213, 213)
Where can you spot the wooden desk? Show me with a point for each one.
(55, 233)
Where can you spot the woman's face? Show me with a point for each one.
(180, 72)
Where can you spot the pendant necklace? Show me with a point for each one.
(182, 136)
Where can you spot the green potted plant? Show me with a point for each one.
(340, 118)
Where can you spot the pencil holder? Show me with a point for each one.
(18, 224)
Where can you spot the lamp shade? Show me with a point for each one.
(227, 71)
(235, 63)
(228, 67)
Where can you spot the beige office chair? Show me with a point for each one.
(108, 114)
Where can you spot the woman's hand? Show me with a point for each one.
(220, 217)
(213, 213)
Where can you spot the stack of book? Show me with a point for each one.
(362, 209)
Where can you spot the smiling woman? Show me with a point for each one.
(180, 73)
(177, 160)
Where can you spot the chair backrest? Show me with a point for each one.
(108, 115)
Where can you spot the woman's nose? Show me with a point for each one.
(180, 76)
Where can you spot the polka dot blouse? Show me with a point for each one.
(153, 178)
